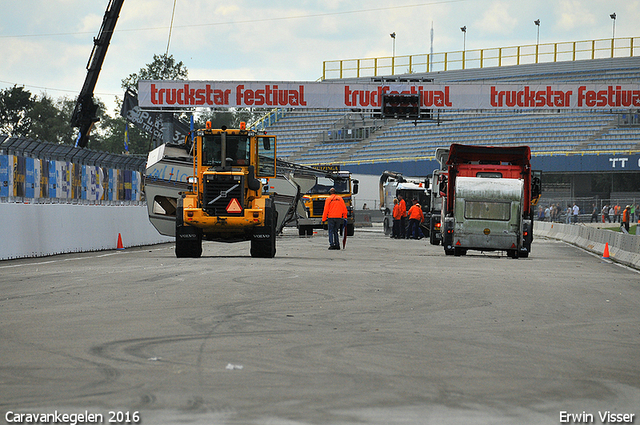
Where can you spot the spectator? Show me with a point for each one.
(605, 214)
(612, 214)
(617, 213)
(576, 213)
(626, 217)
(540, 214)
(594, 214)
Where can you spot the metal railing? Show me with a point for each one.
(267, 119)
(481, 58)
(22, 146)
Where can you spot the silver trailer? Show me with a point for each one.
(487, 216)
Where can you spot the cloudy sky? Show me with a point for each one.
(45, 44)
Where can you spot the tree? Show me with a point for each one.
(50, 120)
(15, 104)
(223, 117)
(114, 138)
(163, 67)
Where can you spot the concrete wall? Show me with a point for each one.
(35, 230)
(623, 248)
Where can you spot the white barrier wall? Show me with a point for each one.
(623, 248)
(34, 230)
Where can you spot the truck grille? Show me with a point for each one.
(219, 190)
(318, 207)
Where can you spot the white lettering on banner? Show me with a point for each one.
(622, 161)
(189, 94)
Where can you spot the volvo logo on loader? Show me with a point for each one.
(224, 194)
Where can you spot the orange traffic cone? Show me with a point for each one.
(606, 250)
(120, 246)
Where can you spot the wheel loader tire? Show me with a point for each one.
(263, 241)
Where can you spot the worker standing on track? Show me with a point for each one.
(415, 218)
(395, 231)
(335, 214)
(403, 217)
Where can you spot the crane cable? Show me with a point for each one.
(171, 27)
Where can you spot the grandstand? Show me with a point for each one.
(356, 139)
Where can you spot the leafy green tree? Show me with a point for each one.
(50, 120)
(163, 67)
(114, 137)
(15, 104)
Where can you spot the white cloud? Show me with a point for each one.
(497, 19)
(573, 14)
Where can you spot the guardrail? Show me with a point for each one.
(623, 248)
(480, 58)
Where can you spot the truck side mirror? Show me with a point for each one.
(355, 187)
(266, 143)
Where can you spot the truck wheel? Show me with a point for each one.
(449, 251)
(433, 238)
(263, 242)
(309, 230)
(302, 230)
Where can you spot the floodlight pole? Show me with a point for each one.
(537, 22)
(393, 53)
(464, 43)
(613, 18)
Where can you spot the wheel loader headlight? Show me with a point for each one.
(192, 180)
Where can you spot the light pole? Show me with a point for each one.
(537, 22)
(464, 43)
(393, 52)
(613, 18)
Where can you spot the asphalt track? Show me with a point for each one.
(384, 332)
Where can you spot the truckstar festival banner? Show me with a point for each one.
(178, 95)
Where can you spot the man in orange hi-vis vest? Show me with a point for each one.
(403, 217)
(335, 214)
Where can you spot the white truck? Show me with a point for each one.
(393, 184)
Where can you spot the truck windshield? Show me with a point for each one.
(323, 185)
(238, 149)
